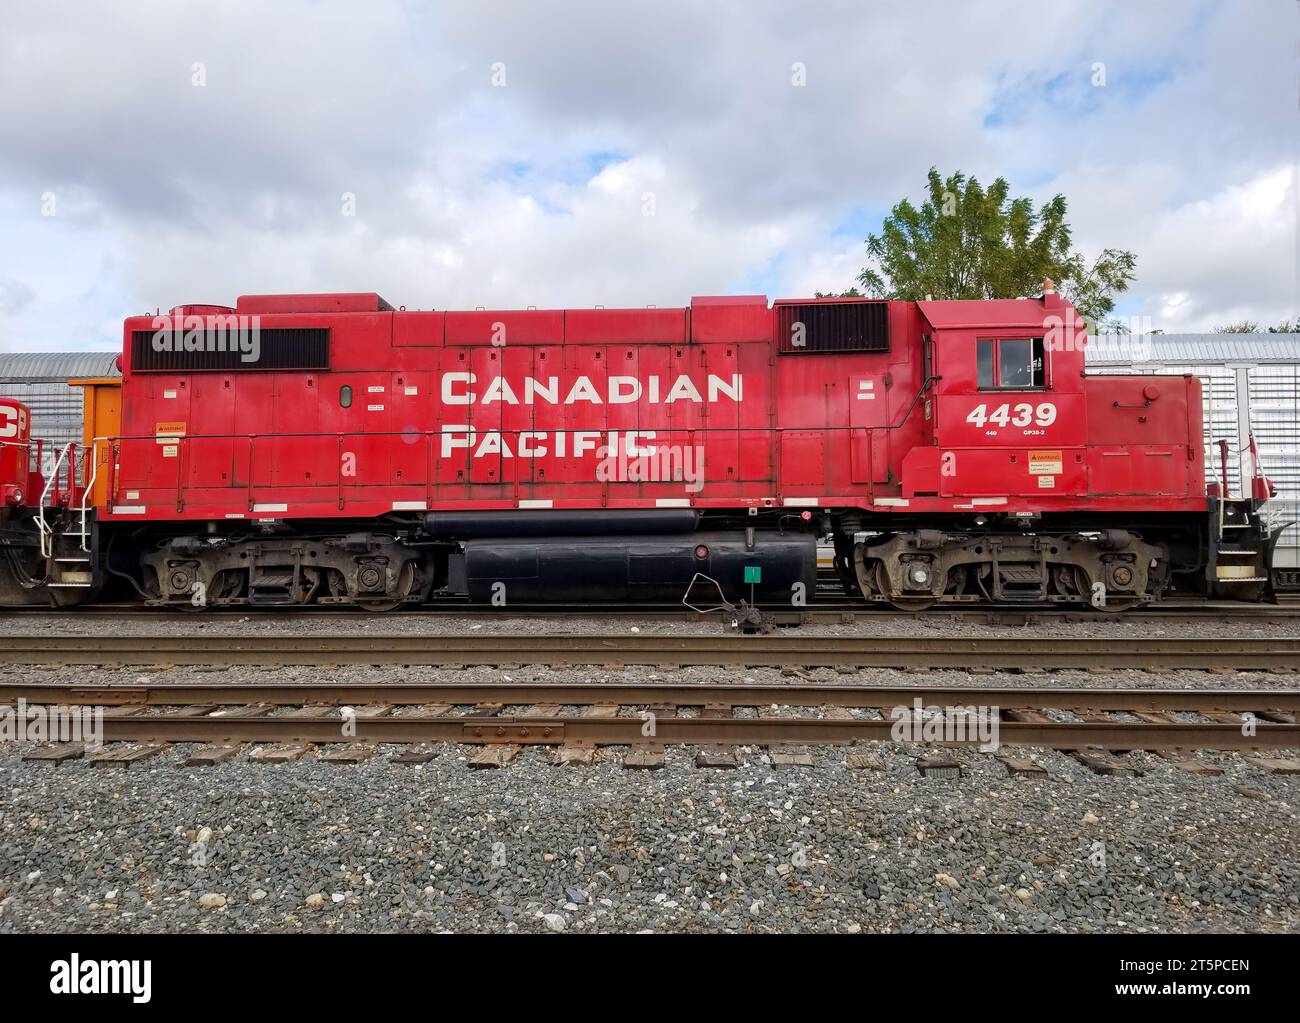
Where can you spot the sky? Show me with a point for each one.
(572, 154)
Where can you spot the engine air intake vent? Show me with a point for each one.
(833, 327)
(221, 349)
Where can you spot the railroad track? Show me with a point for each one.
(586, 716)
(833, 612)
(727, 650)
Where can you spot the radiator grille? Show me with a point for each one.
(270, 348)
(833, 327)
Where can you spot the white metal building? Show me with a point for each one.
(40, 381)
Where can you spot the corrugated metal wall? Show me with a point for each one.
(1275, 421)
(40, 381)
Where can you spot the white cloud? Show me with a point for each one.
(1228, 257)
(535, 193)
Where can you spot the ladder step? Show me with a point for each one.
(1244, 579)
(78, 586)
(84, 560)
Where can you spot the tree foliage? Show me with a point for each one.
(1240, 327)
(968, 242)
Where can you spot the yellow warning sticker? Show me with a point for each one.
(1045, 463)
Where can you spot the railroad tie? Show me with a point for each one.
(792, 757)
(372, 710)
(1275, 765)
(600, 710)
(716, 757)
(280, 753)
(55, 755)
(210, 756)
(125, 756)
(646, 758)
(311, 710)
(571, 755)
(247, 710)
(1022, 766)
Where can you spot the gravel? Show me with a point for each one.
(699, 675)
(310, 846)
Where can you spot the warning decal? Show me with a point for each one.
(1045, 463)
(168, 433)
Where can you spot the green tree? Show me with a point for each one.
(850, 293)
(1240, 327)
(968, 242)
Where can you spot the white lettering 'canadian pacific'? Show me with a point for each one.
(536, 443)
(459, 389)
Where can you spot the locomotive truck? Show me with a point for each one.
(297, 449)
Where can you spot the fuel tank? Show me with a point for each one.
(767, 568)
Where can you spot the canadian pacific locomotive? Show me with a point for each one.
(303, 449)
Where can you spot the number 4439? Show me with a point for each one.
(1006, 414)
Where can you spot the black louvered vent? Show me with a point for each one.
(268, 348)
(833, 327)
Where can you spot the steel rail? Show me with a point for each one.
(629, 731)
(1269, 654)
(649, 694)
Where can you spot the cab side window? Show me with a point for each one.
(1011, 364)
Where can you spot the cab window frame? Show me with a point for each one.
(993, 381)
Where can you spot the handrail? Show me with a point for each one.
(89, 489)
(47, 534)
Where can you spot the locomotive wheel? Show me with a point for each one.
(910, 604)
(405, 586)
(226, 584)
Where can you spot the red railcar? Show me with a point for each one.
(299, 448)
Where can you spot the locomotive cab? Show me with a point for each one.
(1031, 450)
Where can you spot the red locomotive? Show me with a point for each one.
(329, 448)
